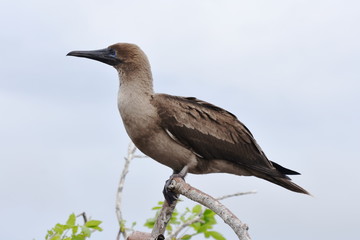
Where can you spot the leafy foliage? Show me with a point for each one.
(73, 231)
(200, 220)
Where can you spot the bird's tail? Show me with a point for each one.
(279, 177)
(286, 183)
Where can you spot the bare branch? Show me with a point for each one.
(163, 219)
(179, 186)
(235, 195)
(144, 236)
(201, 214)
(83, 214)
(183, 226)
(130, 156)
(139, 236)
(160, 225)
(140, 156)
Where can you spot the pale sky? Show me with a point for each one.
(289, 70)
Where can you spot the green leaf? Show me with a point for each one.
(216, 235)
(59, 228)
(186, 237)
(71, 221)
(197, 209)
(79, 237)
(209, 213)
(196, 226)
(150, 223)
(169, 228)
(86, 231)
(74, 229)
(209, 217)
(204, 227)
(56, 237)
(93, 223)
(209, 220)
(122, 225)
(49, 234)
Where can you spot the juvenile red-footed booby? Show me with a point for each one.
(184, 133)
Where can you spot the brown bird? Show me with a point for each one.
(184, 133)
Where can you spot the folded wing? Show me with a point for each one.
(213, 133)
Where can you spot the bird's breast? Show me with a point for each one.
(138, 115)
(142, 124)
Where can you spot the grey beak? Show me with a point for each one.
(106, 55)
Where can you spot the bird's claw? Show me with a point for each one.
(169, 195)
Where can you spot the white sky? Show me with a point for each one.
(288, 69)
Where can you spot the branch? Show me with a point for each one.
(235, 195)
(83, 214)
(162, 220)
(139, 236)
(130, 156)
(160, 225)
(201, 214)
(179, 186)
(183, 226)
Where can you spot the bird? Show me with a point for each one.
(184, 133)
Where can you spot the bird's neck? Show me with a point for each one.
(135, 93)
(134, 102)
(137, 81)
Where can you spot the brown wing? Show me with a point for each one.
(212, 132)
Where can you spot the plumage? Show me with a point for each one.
(210, 132)
(184, 133)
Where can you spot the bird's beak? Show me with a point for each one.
(106, 55)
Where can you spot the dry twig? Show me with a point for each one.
(130, 156)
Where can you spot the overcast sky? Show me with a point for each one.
(289, 70)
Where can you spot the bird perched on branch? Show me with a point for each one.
(184, 133)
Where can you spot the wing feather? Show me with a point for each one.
(211, 132)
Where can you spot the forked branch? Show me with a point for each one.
(179, 186)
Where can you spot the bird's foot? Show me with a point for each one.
(169, 195)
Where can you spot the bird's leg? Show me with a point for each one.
(170, 196)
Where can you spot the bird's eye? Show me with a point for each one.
(112, 52)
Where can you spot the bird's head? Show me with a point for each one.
(122, 56)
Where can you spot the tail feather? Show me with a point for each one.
(280, 178)
(284, 170)
(286, 183)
